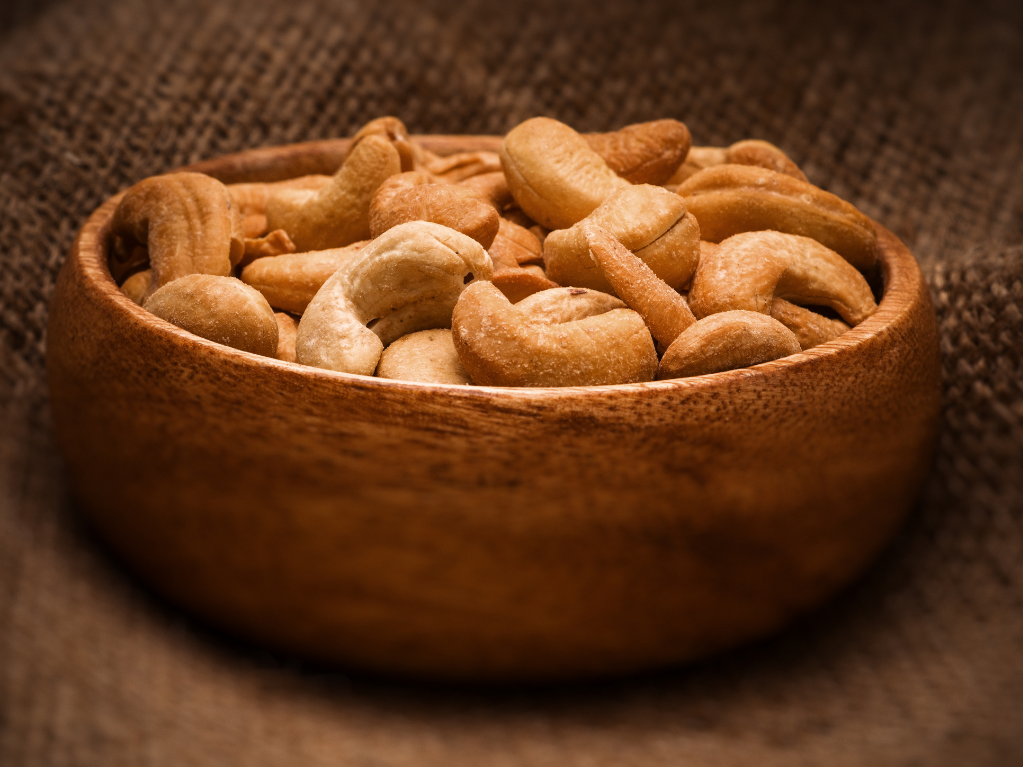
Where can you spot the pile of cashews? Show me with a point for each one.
(565, 259)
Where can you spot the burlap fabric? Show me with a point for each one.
(913, 113)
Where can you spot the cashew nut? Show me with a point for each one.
(220, 309)
(393, 130)
(518, 282)
(500, 345)
(251, 199)
(648, 220)
(749, 270)
(400, 200)
(287, 330)
(643, 153)
(515, 246)
(553, 174)
(811, 329)
(186, 222)
(407, 279)
(559, 305)
(729, 199)
(337, 214)
(136, 286)
(462, 165)
(726, 341)
(747, 152)
(276, 243)
(661, 307)
(492, 188)
(427, 356)
(290, 281)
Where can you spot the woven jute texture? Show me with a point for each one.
(912, 112)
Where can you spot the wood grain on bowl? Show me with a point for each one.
(480, 533)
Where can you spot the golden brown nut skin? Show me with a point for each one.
(502, 346)
(452, 206)
(811, 329)
(727, 341)
(643, 153)
(287, 330)
(220, 309)
(290, 281)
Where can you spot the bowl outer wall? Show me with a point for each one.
(480, 533)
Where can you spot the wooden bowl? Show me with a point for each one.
(482, 533)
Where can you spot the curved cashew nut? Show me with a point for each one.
(220, 309)
(136, 286)
(515, 246)
(400, 200)
(643, 153)
(747, 152)
(749, 270)
(553, 174)
(336, 214)
(558, 305)
(661, 307)
(811, 329)
(726, 341)
(427, 356)
(520, 282)
(393, 130)
(407, 279)
(187, 223)
(730, 199)
(500, 345)
(648, 220)
(290, 281)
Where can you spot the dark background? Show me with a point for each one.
(914, 112)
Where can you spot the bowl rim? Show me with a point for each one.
(899, 271)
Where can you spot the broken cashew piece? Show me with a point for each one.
(661, 307)
(646, 219)
(462, 165)
(643, 153)
(558, 305)
(407, 279)
(337, 214)
(276, 243)
(500, 345)
(492, 188)
(448, 205)
(727, 341)
(187, 223)
(427, 356)
(290, 281)
(515, 246)
(518, 282)
(748, 271)
(220, 309)
(729, 199)
(553, 174)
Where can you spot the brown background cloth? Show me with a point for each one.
(912, 112)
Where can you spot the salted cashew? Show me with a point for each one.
(515, 246)
(643, 153)
(276, 243)
(251, 199)
(290, 281)
(400, 200)
(748, 271)
(729, 199)
(287, 330)
(407, 279)
(558, 305)
(427, 356)
(186, 223)
(646, 219)
(393, 130)
(337, 214)
(746, 152)
(220, 309)
(553, 174)
(136, 286)
(661, 307)
(726, 341)
(462, 165)
(811, 329)
(492, 188)
(500, 345)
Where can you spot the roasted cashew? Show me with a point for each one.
(287, 331)
(463, 165)
(290, 281)
(400, 200)
(811, 329)
(500, 345)
(407, 279)
(661, 307)
(393, 130)
(186, 222)
(276, 243)
(729, 199)
(251, 199)
(518, 282)
(726, 341)
(220, 309)
(427, 356)
(749, 270)
(643, 153)
(553, 174)
(136, 286)
(648, 220)
(747, 152)
(337, 214)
